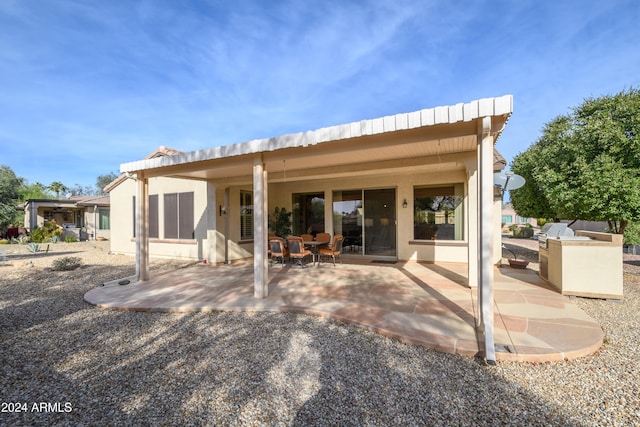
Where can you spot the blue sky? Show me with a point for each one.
(87, 85)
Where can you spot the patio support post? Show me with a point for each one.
(210, 244)
(226, 225)
(472, 230)
(485, 241)
(142, 228)
(260, 215)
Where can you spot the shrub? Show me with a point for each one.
(66, 263)
(632, 233)
(4, 242)
(46, 232)
(523, 232)
(70, 239)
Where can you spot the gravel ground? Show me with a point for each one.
(64, 362)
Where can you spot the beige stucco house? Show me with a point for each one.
(83, 217)
(414, 186)
(510, 217)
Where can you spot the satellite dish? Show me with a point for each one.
(508, 181)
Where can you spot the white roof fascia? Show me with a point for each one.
(428, 117)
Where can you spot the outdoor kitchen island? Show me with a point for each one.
(588, 264)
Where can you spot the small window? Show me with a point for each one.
(246, 215)
(438, 213)
(103, 219)
(507, 219)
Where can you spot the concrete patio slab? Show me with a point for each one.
(422, 304)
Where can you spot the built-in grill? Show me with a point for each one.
(551, 230)
(583, 263)
(554, 230)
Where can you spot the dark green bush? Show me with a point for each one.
(523, 232)
(46, 232)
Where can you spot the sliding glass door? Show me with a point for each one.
(308, 213)
(367, 220)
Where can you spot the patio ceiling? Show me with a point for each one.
(406, 141)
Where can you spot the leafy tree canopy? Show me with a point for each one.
(58, 187)
(79, 190)
(586, 164)
(104, 180)
(9, 185)
(33, 191)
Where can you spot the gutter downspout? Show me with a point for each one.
(95, 222)
(136, 276)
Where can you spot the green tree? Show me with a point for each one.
(33, 191)
(79, 190)
(9, 185)
(104, 180)
(586, 164)
(58, 187)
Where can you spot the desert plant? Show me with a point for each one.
(4, 242)
(21, 240)
(54, 239)
(33, 247)
(66, 263)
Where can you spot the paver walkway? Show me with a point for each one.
(424, 304)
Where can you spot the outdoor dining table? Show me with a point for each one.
(314, 248)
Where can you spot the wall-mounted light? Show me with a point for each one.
(222, 210)
(404, 204)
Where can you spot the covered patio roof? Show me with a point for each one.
(411, 138)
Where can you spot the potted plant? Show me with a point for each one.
(280, 222)
(515, 262)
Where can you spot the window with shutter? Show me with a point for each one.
(185, 216)
(171, 216)
(153, 217)
(246, 215)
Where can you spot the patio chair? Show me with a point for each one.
(335, 250)
(297, 249)
(306, 237)
(323, 237)
(269, 237)
(277, 249)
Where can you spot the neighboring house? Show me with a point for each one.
(84, 217)
(403, 187)
(510, 217)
